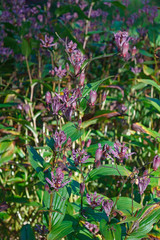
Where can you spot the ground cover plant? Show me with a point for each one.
(79, 130)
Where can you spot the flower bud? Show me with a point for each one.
(156, 162)
(79, 122)
(48, 97)
(77, 69)
(51, 72)
(69, 142)
(88, 143)
(82, 188)
(134, 51)
(74, 104)
(81, 79)
(93, 97)
(125, 49)
(98, 153)
(64, 159)
(104, 95)
(67, 67)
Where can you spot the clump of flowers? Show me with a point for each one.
(143, 182)
(107, 206)
(94, 200)
(92, 228)
(119, 152)
(47, 42)
(57, 180)
(79, 156)
(122, 42)
(59, 138)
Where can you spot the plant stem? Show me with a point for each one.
(50, 211)
(87, 26)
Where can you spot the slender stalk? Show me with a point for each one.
(87, 26)
(132, 198)
(50, 211)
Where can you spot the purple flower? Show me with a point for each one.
(93, 97)
(136, 70)
(56, 105)
(81, 79)
(59, 72)
(94, 200)
(122, 42)
(143, 182)
(47, 42)
(79, 156)
(59, 138)
(120, 151)
(70, 47)
(91, 227)
(107, 206)
(57, 180)
(156, 162)
(76, 58)
(48, 97)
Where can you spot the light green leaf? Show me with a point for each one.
(107, 170)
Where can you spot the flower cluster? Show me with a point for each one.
(79, 156)
(59, 138)
(57, 180)
(143, 182)
(107, 206)
(64, 103)
(47, 42)
(94, 200)
(92, 228)
(119, 152)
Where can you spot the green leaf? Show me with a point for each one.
(125, 203)
(107, 170)
(105, 230)
(147, 70)
(150, 82)
(145, 53)
(37, 162)
(154, 102)
(72, 131)
(50, 142)
(60, 231)
(26, 233)
(26, 47)
(88, 87)
(147, 218)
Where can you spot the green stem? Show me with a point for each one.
(50, 211)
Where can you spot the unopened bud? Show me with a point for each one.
(51, 72)
(104, 95)
(125, 49)
(93, 97)
(79, 122)
(74, 104)
(156, 162)
(64, 158)
(81, 79)
(134, 51)
(69, 142)
(88, 143)
(77, 69)
(98, 153)
(67, 67)
(48, 97)
(26, 108)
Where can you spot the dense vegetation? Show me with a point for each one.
(79, 112)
